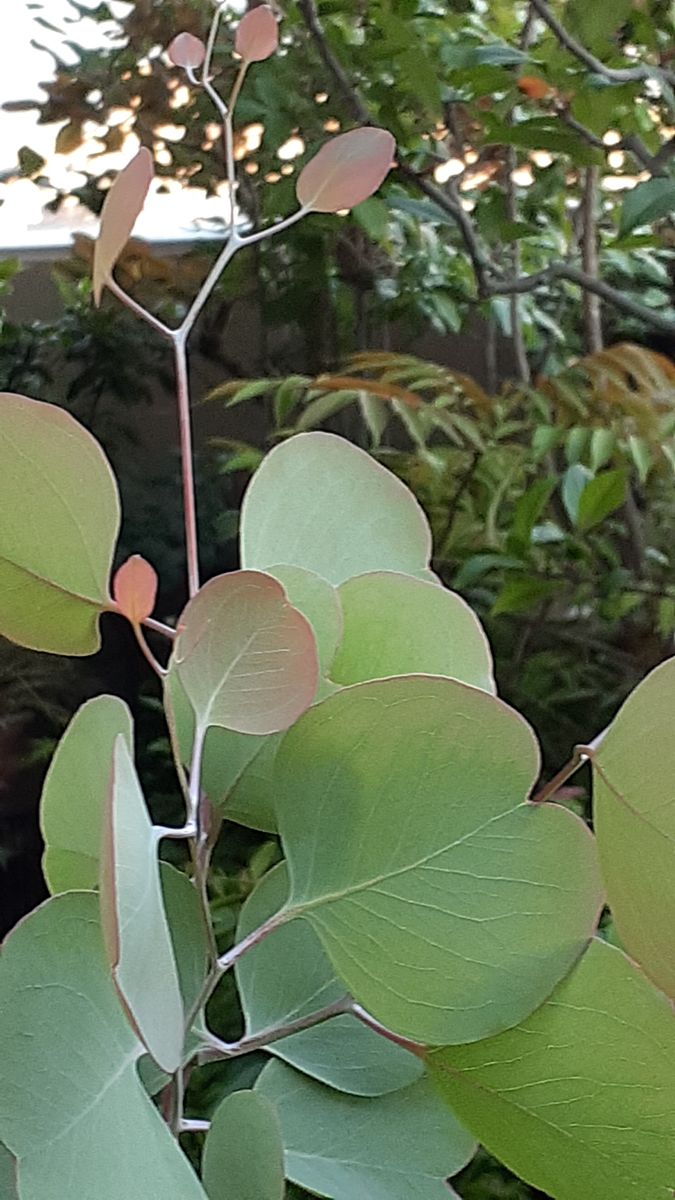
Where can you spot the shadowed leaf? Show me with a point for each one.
(397, 1147)
(187, 51)
(243, 1153)
(634, 817)
(75, 793)
(123, 205)
(60, 520)
(288, 976)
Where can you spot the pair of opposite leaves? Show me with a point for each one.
(345, 172)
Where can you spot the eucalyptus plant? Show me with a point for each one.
(423, 967)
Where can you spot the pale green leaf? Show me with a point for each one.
(402, 1146)
(135, 928)
(579, 1100)
(320, 503)
(247, 660)
(634, 816)
(8, 1175)
(243, 1153)
(60, 520)
(75, 791)
(448, 905)
(72, 1109)
(397, 625)
(287, 976)
(318, 601)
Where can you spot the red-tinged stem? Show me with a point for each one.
(187, 464)
(217, 1050)
(159, 627)
(147, 652)
(405, 1043)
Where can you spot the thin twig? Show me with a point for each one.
(589, 255)
(159, 627)
(138, 310)
(616, 74)
(159, 670)
(187, 461)
(217, 1050)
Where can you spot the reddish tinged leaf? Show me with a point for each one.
(123, 205)
(257, 34)
(135, 589)
(187, 51)
(247, 659)
(535, 88)
(347, 170)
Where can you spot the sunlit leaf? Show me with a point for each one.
(60, 520)
(247, 660)
(579, 1100)
(70, 1098)
(346, 170)
(288, 976)
(397, 1147)
(448, 905)
(257, 35)
(634, 816)
(75, 792)
(123, 205)
(243, 1153)
(187, 51)
(397, 625)
(136, 934)
(320, 503)
(135, 589)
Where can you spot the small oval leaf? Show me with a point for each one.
(135, 589)
(243, 1152)
(257, 35)
(187, 51)
(122, 206)
(245, 657)
(346, 170)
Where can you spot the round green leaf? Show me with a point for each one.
(397, 1147)
(60, 520)
(72, 1109)
(135, 929)
(397, 625)
(448, 905)
(318, 601)
(634, 817)
(243, 1153)
(287, 976)
(8, 1175)
(245, 657)
(75, 790)
(580, 1099)
(320, 503)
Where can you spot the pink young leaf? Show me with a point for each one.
(122, 206)
(187, 51)
(135, 589)
(257, 34)
(246, 658)
(347, 170)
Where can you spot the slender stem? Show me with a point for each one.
(365, 1018)
(229, 142)
(176, 833)
(147, 652)
(217, 1050)
(589, 248)
(227, 961)
(138, 310)
(570, 768)
(211, 43)
(232, 245)
(159, 627)
(272, 230)
(194, 1126)
(194, 786)
(187, 462)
